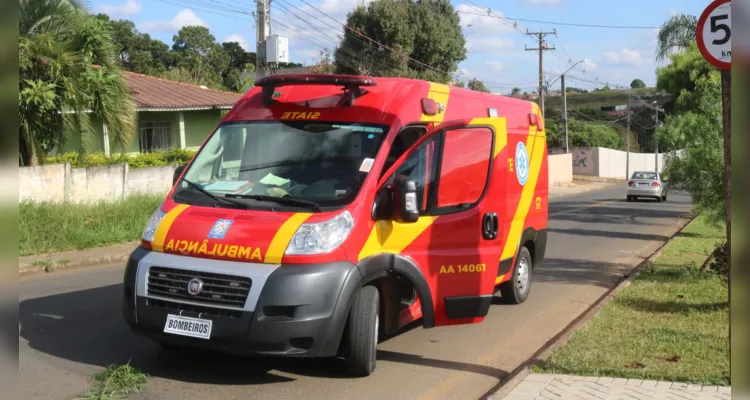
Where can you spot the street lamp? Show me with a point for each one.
(565, 103)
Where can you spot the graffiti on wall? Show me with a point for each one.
(583, 162)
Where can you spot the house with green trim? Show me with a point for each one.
(170, 115)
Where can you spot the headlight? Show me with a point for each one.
(321, 237)
(153, 223)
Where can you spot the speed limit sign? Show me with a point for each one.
(714, 33)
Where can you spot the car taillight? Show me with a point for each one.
(655, 184)
(631, 183)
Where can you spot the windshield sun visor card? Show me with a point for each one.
(366, 165)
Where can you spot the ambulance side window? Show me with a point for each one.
(464, 169)
(421, 167)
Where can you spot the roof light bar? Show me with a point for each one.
(352, 84)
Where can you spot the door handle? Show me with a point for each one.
(489, 226)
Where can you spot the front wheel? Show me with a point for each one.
(361, 335)
(516, 290)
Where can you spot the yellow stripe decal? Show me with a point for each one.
(500, 125)
(393, 237)
(283, 236)
(166, 223)
(499, 279)
(536, 145)
(440, 93)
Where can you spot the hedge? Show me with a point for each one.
(156, 159)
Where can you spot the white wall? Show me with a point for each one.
(59, 182)
(560, 169)
(607, 163)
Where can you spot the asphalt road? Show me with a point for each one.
(71, 325)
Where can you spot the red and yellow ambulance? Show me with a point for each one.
(327, 211)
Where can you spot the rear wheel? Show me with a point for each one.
(630, 198)
(664, 197)
(361, 335)
(516, 290)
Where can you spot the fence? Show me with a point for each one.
(61, 183)
(607, 163)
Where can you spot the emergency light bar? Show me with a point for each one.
(352, 84)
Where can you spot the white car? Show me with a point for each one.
(646, 184)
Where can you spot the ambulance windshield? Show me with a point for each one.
(253, 163)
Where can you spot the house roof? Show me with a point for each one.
(156, 94)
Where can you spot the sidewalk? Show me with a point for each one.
(544, 387)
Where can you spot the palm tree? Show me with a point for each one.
(69, 75)
(676, 33)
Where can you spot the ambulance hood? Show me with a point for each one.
(246, 235)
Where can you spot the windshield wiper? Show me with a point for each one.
(280, 200)
(213, 196)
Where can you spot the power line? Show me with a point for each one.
(564, 23)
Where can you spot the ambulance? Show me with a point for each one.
(325, 213)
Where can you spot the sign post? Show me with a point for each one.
(714, 36)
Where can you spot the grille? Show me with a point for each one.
(205, 311)
(218, 289)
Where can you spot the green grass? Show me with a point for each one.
(671, 323)
(48, 227)
(115, 381)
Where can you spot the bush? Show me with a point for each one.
(718, 262)
(145, 160)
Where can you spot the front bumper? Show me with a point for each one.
(290, 310)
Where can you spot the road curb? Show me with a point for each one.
(505, 386)
(42, 264)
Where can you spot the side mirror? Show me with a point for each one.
(405, 207)
(177, 173)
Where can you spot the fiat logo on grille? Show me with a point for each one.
(195, 286)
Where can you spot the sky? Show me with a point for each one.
(496, 40)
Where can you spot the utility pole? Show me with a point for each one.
(627, 139)
(656, 140)
(542, 47)
(263, 30)
(564, 112)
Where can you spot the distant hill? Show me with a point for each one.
(608, 98)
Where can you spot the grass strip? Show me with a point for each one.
(114, 382)
(56, 227)
(671, 323)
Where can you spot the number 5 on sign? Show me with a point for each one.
(714, 33)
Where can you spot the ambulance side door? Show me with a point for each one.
(457, 249)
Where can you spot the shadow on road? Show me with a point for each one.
(581, 272)
(674, 307)
(610, 234)
(86, 327)
(619, 215)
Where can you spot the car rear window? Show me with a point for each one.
(644, 175)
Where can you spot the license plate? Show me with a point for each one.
(185, 326)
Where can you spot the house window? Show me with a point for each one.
(154, 136)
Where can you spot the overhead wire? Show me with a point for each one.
(567, 23)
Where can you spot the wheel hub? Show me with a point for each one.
(523, 276)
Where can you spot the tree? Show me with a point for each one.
(637, 84)
(460, 84)
(476, 84)
(324, 66)
(427, 31)
(202, 61)
(677, 33)
(137, 52)
(680, 76)
(59, 89)
(515, 92)
(582, 134)
(699, 169)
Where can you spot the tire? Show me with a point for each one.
(664, 197)
(630, 198)
(516, 290)
(660, 199)
(361, 335)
